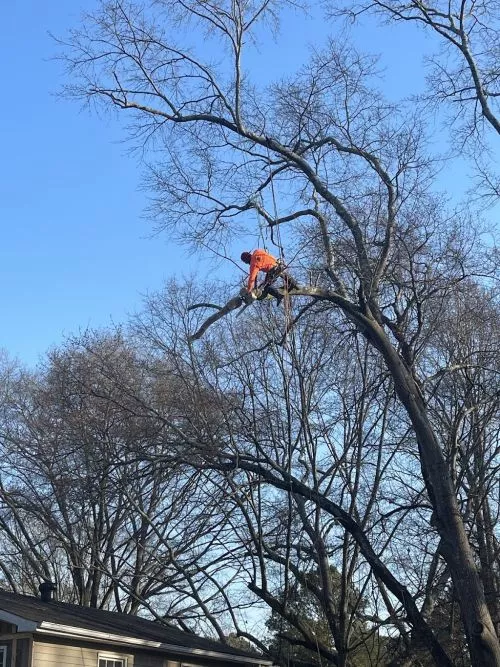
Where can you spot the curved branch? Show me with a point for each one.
(290, 483)
(204, 304)
(232, 304)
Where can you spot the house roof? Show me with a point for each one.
(62, 619)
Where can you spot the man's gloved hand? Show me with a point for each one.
(248, 297)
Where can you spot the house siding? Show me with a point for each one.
(46, 654)
(51, 652)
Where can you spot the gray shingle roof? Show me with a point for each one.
(33, 609)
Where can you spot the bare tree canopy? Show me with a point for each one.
(352, 456)
(236, 473)
(464, 73)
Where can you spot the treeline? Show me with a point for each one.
(254, 478)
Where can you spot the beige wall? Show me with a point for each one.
(62, 655)
(49, 652)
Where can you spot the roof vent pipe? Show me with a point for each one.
(46, 589)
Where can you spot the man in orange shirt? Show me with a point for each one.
(260, 260)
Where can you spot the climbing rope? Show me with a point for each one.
(277, 243)
(261, 222)
(286, 351)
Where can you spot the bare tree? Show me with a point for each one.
(465, 408)
(292, 420)
(346, 166)
(464, 75)
(316, 411)
(76, 504)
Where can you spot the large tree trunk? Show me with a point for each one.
(288, 482)
(483, 642)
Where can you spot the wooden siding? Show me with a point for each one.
(62, 655)
(51, 652)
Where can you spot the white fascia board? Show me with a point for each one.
(23, 624)
(72, 632)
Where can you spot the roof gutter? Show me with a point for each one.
(69, 631)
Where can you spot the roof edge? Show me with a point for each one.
(59, 630)
(23, 624)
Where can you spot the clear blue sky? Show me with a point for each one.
(75, 251)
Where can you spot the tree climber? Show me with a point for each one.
(260, 260)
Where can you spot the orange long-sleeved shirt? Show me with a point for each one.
(261, 261)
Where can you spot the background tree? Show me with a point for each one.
(77, 503)
(464, 74)
(286, 643)
(267, 466)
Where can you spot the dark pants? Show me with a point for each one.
(279, 272)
